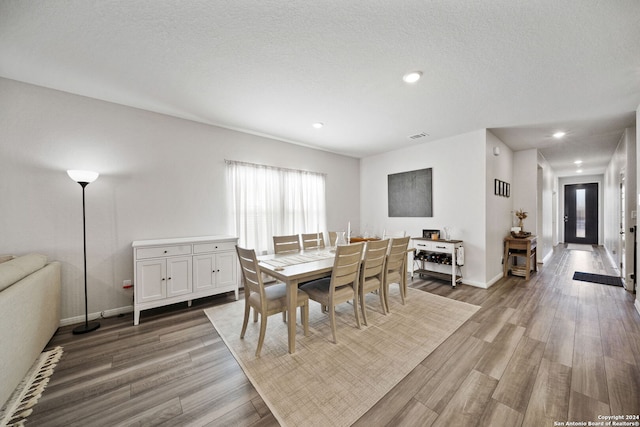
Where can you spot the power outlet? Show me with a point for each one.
(126, 284)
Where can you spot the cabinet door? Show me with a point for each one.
(226, 269)
(151, 280)
(203, 272)
(178, 276)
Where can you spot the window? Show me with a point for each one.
(581, 213)
(268, 201)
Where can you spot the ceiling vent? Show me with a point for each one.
(418, 135)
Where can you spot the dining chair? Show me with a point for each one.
(395, 267)
(342, 286)
(265, 300)
(284, 244)
(372, 274)
(312, 241)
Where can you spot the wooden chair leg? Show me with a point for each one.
(355, 310)
(385, 292)
(304, 316)
(401, 292)
(363, 307)
(247, 309)
(382, 303)
(263, 329)
(332, 321)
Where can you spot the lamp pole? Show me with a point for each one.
(84, 178)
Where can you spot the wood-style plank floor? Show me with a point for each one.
(536, 353)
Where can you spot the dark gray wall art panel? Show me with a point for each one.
(410, 194)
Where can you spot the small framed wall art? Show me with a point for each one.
(501, 188)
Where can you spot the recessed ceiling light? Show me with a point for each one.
(578, 162)
(412, 77)
(559, 134)
(318, 125)
(579, 171)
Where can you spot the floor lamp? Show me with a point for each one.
(84, 178)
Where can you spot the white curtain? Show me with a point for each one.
(268, 201)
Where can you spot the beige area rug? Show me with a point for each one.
(577, 247)
(20, 404)
(327, 384)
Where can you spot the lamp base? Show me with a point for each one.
(86, 327)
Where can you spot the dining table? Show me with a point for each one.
(293, 269)
(299, 267)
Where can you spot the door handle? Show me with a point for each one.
(566, 218)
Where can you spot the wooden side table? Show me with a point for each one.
(525, 248)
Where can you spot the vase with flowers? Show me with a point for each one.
(521, 215)
(518, 231)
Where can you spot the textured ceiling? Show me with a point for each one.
(520, 68)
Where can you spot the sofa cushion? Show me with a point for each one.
(20, 267)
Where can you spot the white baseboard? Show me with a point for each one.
(94, 316)
(477, 284)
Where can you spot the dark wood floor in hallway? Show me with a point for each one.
(538, 352)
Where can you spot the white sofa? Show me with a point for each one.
(29, 315)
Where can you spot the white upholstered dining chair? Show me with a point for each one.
(265, 300)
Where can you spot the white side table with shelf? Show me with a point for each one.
(167, 271)
(438, 258)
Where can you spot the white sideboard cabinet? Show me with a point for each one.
(167, 271)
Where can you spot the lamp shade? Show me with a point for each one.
(82, 176)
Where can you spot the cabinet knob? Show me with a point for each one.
(169, 278)
(165, 252)
(163, 279)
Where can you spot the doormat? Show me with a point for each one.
(597, 278)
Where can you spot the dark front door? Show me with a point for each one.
(581, 213)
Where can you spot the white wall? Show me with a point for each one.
(637, 304)
(545, 209)
(621, 164)
(631, 208)
(499, 209)
(160, 177)
(611, 223)
(459, 194)
(524, 190)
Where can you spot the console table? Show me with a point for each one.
(437, 256)
(167, 271)
(520, 247)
